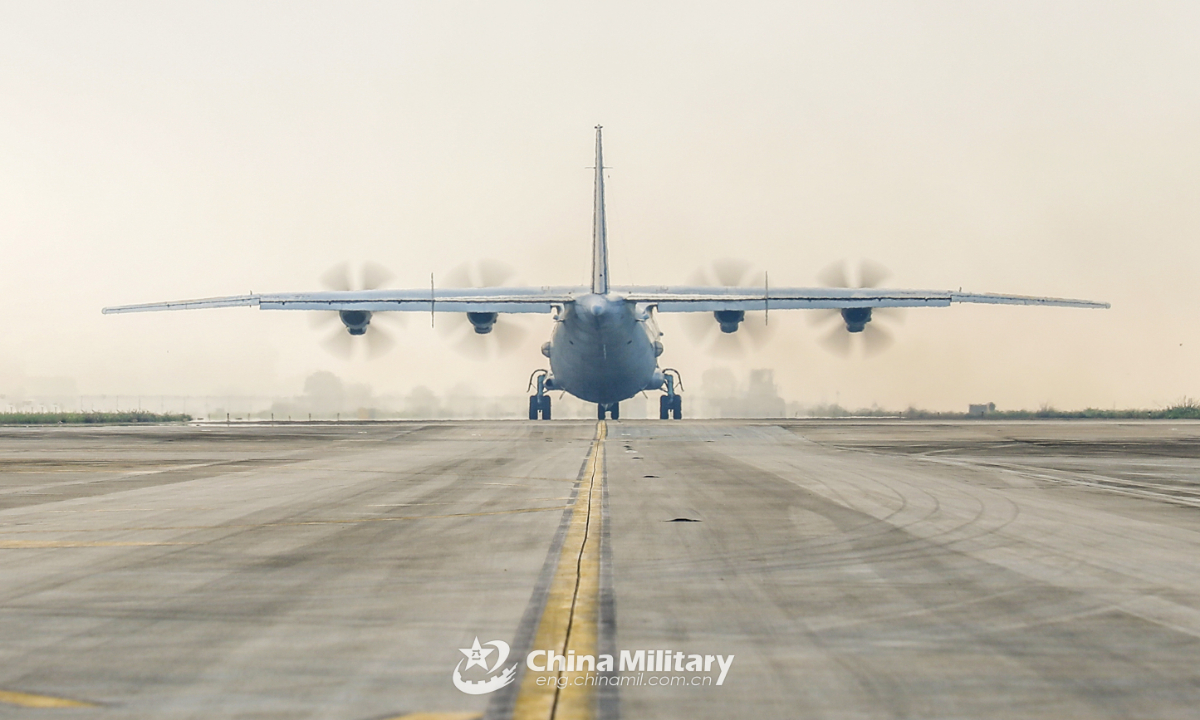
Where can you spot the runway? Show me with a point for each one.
(852, 569)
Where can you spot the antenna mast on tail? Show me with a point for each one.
(599, 230)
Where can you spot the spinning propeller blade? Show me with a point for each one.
(753, 331)
(376, 341)
(873, 339)
(505, 336)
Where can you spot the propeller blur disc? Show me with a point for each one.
(376, 341)
(873, 339)
(702, 327)
(507, 335)
(369, 276)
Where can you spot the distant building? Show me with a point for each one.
(723, 397)
(981, 410)
(762, 397)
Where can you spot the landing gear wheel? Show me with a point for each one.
(671, 404)
(615, 411)
(539, 405)
(612, 410)
(601, 411)
(539, 402)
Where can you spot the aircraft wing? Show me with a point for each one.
(481, 300)
(707, 299)
(545, 299)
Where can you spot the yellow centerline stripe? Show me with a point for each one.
(571, 614)
(30, 700)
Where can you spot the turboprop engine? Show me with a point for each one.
(482, 322)
(729, 319)
(856, 319)
(356, 321)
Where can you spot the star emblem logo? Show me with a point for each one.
(476, 655)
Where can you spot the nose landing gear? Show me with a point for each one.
(612, 410)
(539, 403)
(671, 404)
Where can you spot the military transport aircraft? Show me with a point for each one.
(605, 344)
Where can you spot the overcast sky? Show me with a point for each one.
(155, 151)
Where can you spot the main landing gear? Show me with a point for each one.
(539, 404)
(671, 404)
(612, 410)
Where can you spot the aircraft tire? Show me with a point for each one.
(545, 407)
(601, 411)
(533, 407)
(678, 407)
(616, 411)
(664, 407)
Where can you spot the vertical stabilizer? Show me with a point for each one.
(599, 230)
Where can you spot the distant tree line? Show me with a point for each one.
(89, 418)
(1186, 409)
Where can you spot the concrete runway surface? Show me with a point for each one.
(854, 569)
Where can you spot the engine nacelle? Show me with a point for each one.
(856, 319)
(482, 322)
(356, 321)
(729, 319)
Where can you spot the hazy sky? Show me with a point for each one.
(154, 151)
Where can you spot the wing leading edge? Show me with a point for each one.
(483, 300)
(545, 300)
(707, 299)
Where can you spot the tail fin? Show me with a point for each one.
(599, 231)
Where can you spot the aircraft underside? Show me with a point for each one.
(603, 351)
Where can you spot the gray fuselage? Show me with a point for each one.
(604, 350)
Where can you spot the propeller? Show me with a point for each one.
(856, 328)
(483, 273)
(371, 276)
(484, 335)
(706, 330)
(351, 332)
(867, 274)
